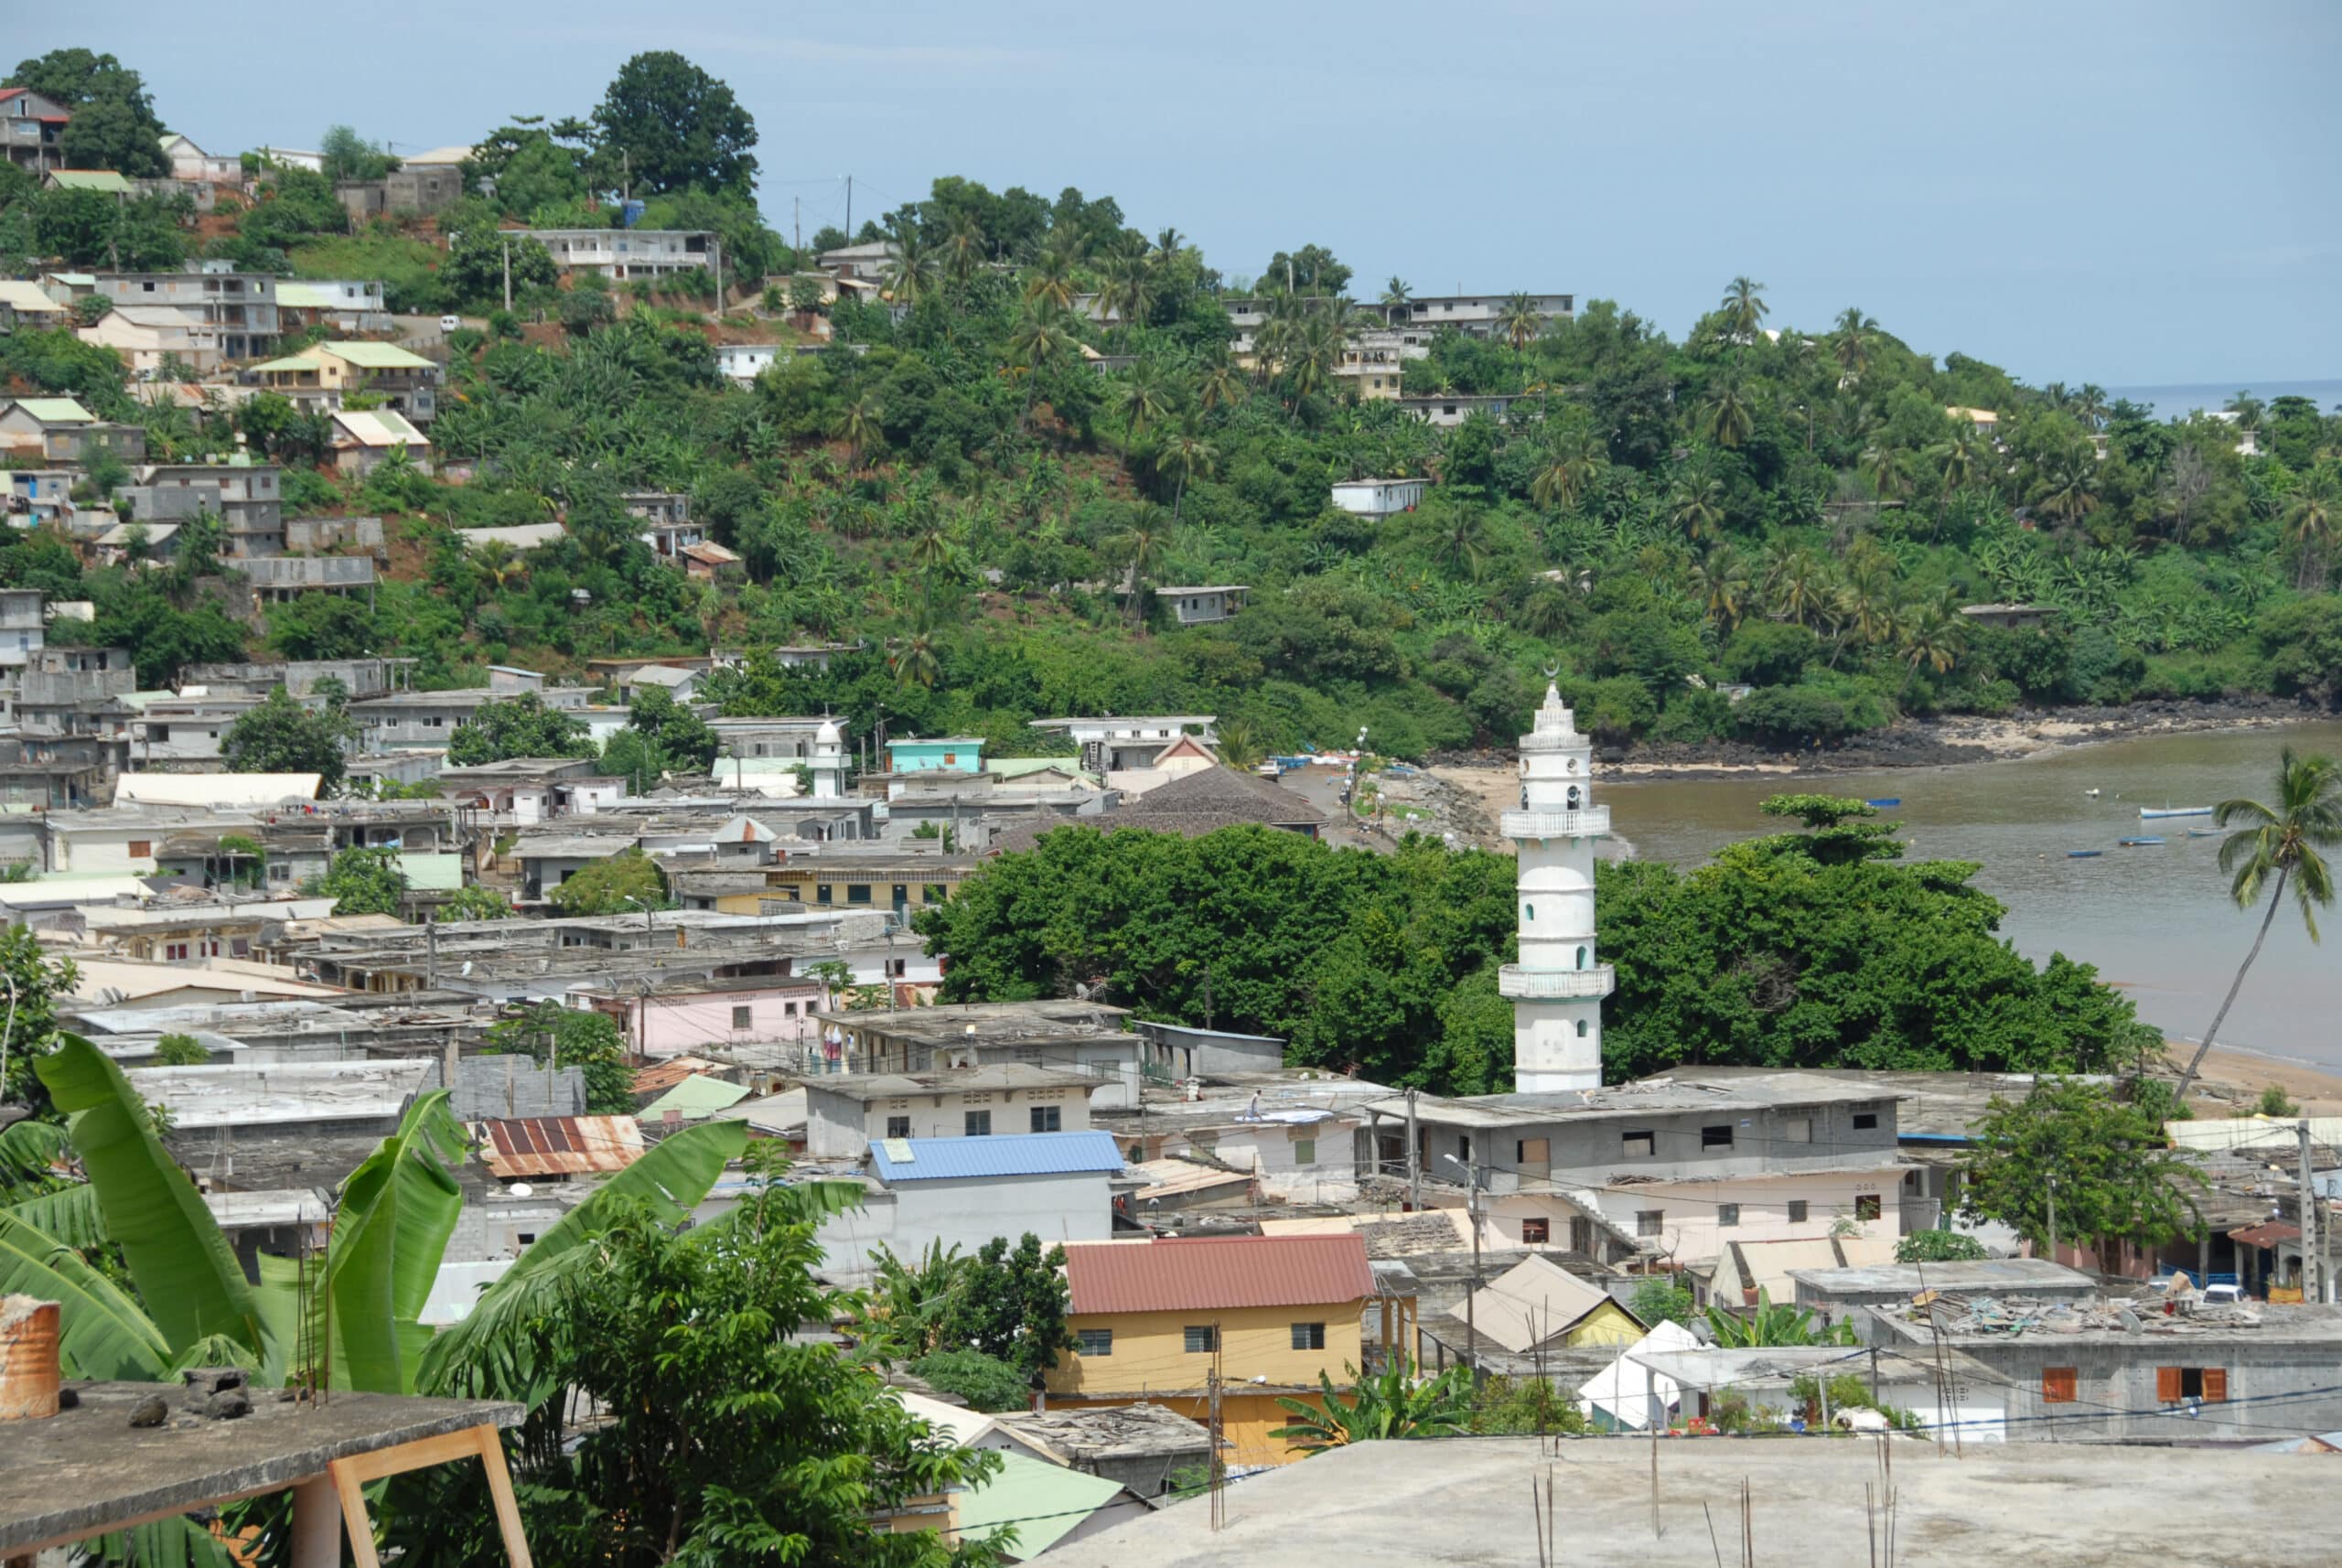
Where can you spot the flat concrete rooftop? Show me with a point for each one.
(1467, 1500)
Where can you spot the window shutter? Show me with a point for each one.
(2215, 1383)
(2058, 1385)
(2167, 1385)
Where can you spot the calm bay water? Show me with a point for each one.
(2175, 402)
(2156, 920)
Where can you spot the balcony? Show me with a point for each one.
(1555, 984)
(1591, 822)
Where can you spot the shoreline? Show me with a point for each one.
(2242, 1073)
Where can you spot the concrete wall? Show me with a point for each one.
(2116, 1395)
(838, 1126)
(967, 1214)
(1764, 1142)
(1150, 1349)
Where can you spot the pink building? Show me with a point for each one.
(685, 1015)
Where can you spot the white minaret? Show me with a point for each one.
(1557, 987)
(829, 761)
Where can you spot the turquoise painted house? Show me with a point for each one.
(950, 755)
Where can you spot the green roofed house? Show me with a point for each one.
(1046, 1505)
(695, 1098)
(951, 754)
(364, 440)
(60, 430)
(320, 376)
(104, 181)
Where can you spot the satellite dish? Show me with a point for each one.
(467, 966)
(521, 1189)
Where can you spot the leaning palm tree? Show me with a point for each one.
(1189, 455)
(2274, 846)
(1221, 382)
(1142, 401)
(1728, 418)
(1391, 1404)
(1695, 505)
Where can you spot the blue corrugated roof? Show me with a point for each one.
(1014, 1154)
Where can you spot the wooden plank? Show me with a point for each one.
(354, 1518)
(508, 1507)
(417, 1456)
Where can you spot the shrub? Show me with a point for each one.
(1790, 716)
(987, 1382)
(1938, 1247)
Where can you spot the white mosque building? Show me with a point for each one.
(1557, 987)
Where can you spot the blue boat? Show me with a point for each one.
(2133, 843)
(1888, 805)
(2084, 853)
(2203, 832)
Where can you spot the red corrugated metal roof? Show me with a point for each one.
(560, 1145)
(1207, 1271)
(2267, 1234)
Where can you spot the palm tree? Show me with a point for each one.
(1316, 349)
(1049, 282)
(963, 249)
(911, 268)
(1695, 505)
(1855, 331)
(1189, 456)
(1139, 546)
(1721, 585)
(2089, 406)
(913, 659)
(1221, 382)
(1930, 636)
(1141, 399)
(2309, 526)
(2066, 489)
(1798, 586)
(1728, 418)
(1889, 469)
(1463, 544)
(1129, 287)
(1043, 337)
(1240, 746)
(1396, 295)
(2281, 841)
(1168, 244)
(1570, 466)
(858, 424)
(1744, 308)
(1957, 461)
(1387, 1406)
(1519, 321)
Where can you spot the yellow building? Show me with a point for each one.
(902, 883)
(1537, 1304)
(1268, 1314)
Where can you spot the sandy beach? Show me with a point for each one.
(2233, 1080)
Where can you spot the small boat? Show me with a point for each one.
(1888, 805)
(2084, 853)
(2175, 812)
(2091, 792)
(2133, 843)
(2203, 832)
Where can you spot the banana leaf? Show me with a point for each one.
(390, 1233)
(483, 1355)
(185, 1271)
(71, 1214)
(102, 1331)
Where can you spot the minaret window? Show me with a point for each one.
(1573, 797)
(1581, 957)
(1581, 1028)
(1529, 911)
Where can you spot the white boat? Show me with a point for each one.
(2175, 812)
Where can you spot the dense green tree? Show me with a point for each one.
(985, 1382)
(1940, 1247)
(364, 882)
(518, 726)
(666, 125)
(281, 735)
(561, 1036)
(1011, 1305)
(611, 886)
(473, 902)
(2109, 1170)
(661, 735)
(113, 125)
(180, 1051)
(35, 982)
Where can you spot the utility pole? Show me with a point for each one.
(1218, 1471)
(796, 226)
(849, 209)
(431, 958)
(2053, 1218)
(1206, 996)
(1414, 1160)
(2313, 1254)
(508, 276)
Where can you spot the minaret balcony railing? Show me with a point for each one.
(1555, 984)
(1591, 821)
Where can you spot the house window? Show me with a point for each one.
(1866, 1205)
(174, 950)
(858, 893)
(1797, 1211)
(1727, 1214)
(898, 967)
(1531, 1153)
(1309, 1337)
(2174, 1384)
(976, 1124)
(820, 893)
(1865, 1121)
(2059, 1385)
(1798, 1130)
(1201, 1340)
(1716, 1137)
(1536, 1232)
(740, 1016)
(933, 892)
(1582, 1235)
(1304, 1151)
(898, 1126)
(1464, 1150)
(1047, 1119)
(1095, 1341)
(1641, 1145)
(1650, 1221)
(141, 849)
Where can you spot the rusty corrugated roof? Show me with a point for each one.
(2268, 1234)
(1193, 1273)
(559, 1145)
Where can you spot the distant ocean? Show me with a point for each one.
(2174, 402)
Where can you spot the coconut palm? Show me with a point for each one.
(858, 424)
(1221, 383)
(910, 266)
(1798, 586)
(1888, 468)
(1567, 470)
(1930, 636)
(963, 249)
(2067, 488)
(2275, 846)
(1744, 308)
(1188, 454)
(1396, 295)
(1728, 418)
(1141, 399)
(1048, 282)
(913, 659)
(1957, 461)
(1129, 289)
(1695, 505)
(2090, 406)
(1240, 746)
(1390, 1405)
(1316, 349)
(1139, 546)
(1855, 334)
(1043, 338)
(1519, 321)
(1464, 543)
(1168, 244)
(2310, 528)
(1720, 584)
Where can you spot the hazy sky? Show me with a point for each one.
(2125, 193)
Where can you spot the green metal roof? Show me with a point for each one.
(292, 363)
(57, 411)
(695, 1098)
(428, 870)
(1043, 1502)
(104, 179)
(378, 356)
